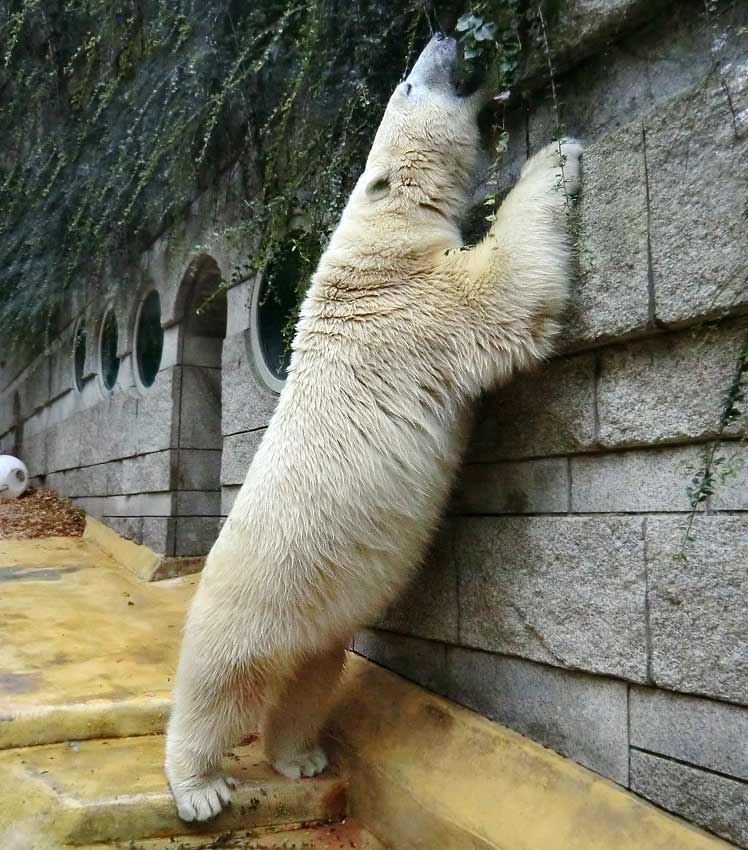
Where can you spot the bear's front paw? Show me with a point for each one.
(307, 763)
(567, 156)
(201, 798)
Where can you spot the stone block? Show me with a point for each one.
(194, 535)
(238, 300)
(202, 351)
(667, 388)
(153, 415)
(228, 497)
(627, 80)
(109, 478)
(128, 527)
(568, 591)
(421, 661)
(124, 441)
(74, 482)
(731, 493)
(34, 454)
(61, 368)
(200, 420)
(634, 481)
(576, 28)
(610, 293)
(199, 503)
(428, 608)
(8, 445)
(34, 387)
(64, 446)
(698, 598)
(158, 534)
(7, 413)
(696, 146)
(198, 469)
(170, 354)
(141, 504)
(702, 732)
(551, 411)
(715, 802)
(147, 473)
(238, 451)
(247, 403)
(532, 486)
(580, 716)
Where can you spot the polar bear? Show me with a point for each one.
(400, 329)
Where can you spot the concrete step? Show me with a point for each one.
(345, 835)
(114, 790)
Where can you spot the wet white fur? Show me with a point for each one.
(399, 331)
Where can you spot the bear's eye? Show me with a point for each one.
(408, 89)
(380, 186)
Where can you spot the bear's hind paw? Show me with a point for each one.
(201, 798)
(307, 763)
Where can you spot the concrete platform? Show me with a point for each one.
(87, 650)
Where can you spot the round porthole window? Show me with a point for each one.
(149, 339)
(273, 308)
(79, 354)
(108, 360)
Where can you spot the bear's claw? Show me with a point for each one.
(308, 763)
(202, 797)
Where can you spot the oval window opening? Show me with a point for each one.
(275, 313)
(149, 339)
(108, 349)
(79, 355)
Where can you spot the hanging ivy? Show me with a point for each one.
(115, 116)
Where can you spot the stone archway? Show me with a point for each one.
(199, 440)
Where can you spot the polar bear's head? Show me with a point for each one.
(427, 150)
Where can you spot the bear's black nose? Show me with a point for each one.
(439, 36)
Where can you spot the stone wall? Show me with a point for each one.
(560, 599)
(145, 460)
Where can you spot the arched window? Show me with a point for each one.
(108, 360)
(149, 339)
(79, 354)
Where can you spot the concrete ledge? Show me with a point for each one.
(426, 773)
(136, 559)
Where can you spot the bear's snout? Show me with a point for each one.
(436, 65)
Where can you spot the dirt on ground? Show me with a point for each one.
(40, 513)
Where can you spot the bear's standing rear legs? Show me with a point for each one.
(297, 714)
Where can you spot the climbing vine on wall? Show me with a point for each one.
(114, 116)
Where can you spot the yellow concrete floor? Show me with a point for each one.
(87, 656)
(83, 643)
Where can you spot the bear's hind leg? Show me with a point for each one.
(297, 714)
(211, 712)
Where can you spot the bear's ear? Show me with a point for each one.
(378, 187)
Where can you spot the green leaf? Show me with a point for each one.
(486, 32)
(468, 21)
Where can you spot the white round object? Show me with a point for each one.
(14, 477)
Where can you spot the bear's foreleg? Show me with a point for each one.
(297, 714)
(515, 282)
